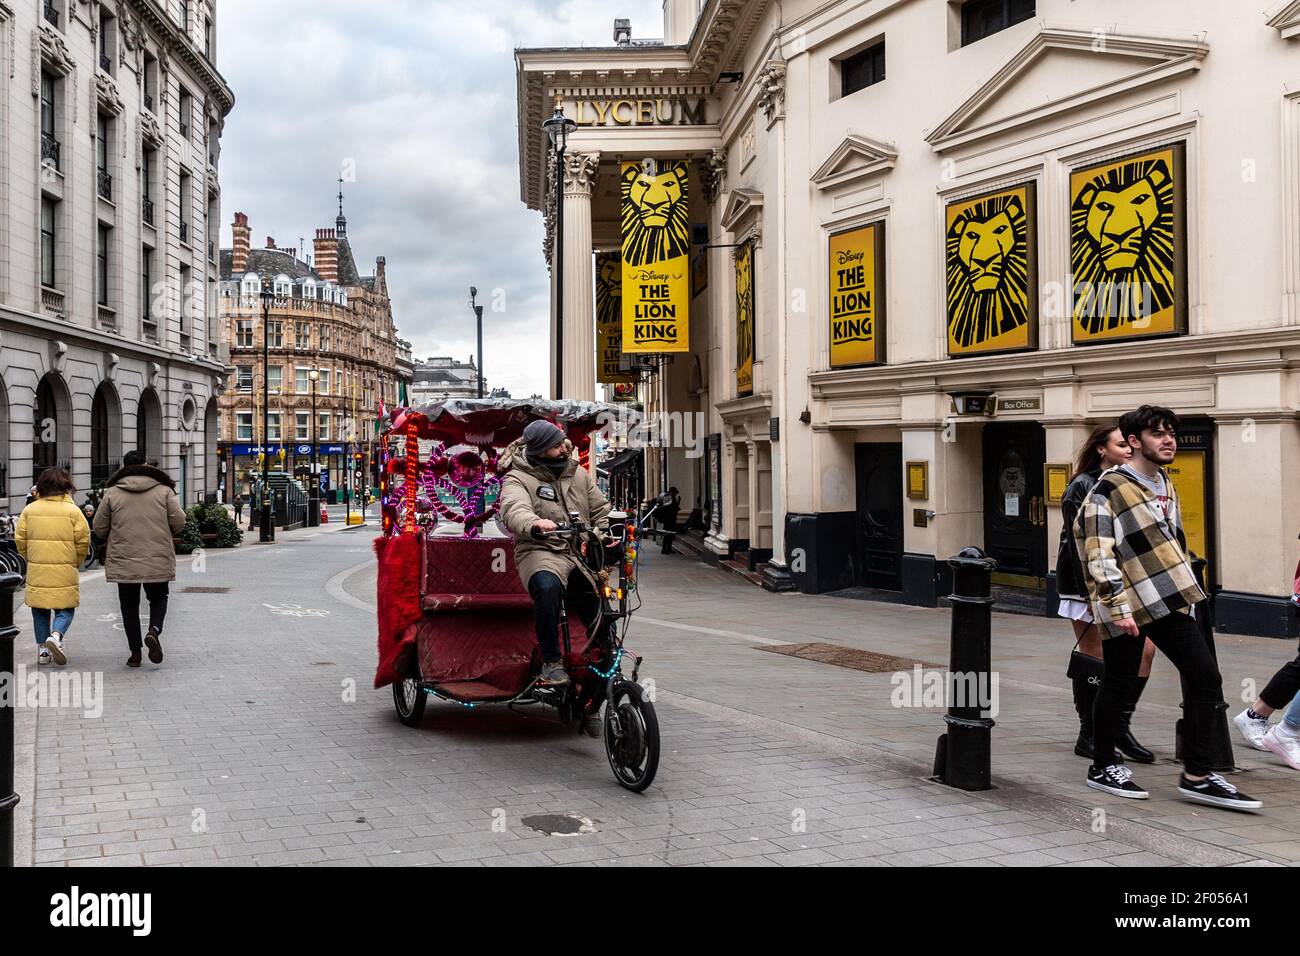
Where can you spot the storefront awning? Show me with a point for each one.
(624, 460)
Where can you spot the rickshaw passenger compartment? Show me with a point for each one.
(477, 624)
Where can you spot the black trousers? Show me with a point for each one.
(1284, 686)
(547, 593)
(1179, 639)
(128, 598)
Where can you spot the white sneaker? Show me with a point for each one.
(43, 657)
(1284, 742)
(1252, 730)
(55, 646)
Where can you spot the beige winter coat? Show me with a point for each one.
(137, 516)
(530, 493)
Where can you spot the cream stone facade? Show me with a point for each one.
(111, 114)
(815, 476)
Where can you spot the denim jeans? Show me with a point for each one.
(1292, 716)
(41, 622)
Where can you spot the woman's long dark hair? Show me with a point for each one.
(1089, 458)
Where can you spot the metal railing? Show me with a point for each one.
(150, 329)
(51, 14)
(50, 150)
(105, 62)
(146, 210)
(105, 181)
(148, 102)
(185, 231)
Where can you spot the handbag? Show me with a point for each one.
(1084, 667)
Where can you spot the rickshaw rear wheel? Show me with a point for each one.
(410, 700)
(631, 736)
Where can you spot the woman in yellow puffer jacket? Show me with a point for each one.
(53, 536)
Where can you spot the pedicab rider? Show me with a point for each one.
(544, 483)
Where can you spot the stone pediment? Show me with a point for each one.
(741, 204)
(1286, 19)
(856, 158)
(1060, 70)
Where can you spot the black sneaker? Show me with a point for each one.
(1116, 779)
(1217, 792)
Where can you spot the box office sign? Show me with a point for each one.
(856, 264)
(1128, 251)
(745, 319)
(656, 256)
(609, 320)
(989, 263)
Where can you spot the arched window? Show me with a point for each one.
(252, 284)
(283, 286)
(308, 289)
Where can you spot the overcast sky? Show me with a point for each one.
(418, 98)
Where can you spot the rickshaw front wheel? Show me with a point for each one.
(409, 699)
(631, 736)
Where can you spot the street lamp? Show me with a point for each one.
(267, 527)
(478, 314)
(313, 490)
(557, 129)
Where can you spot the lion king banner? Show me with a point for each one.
(857, 291)
(656, 256)
(609, 320)
(989, 258)
(745, 319)
(1128, 254)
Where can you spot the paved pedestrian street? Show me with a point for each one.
(260, 741)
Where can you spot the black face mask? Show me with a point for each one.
(555, 466)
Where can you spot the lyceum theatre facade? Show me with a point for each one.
(930, 245)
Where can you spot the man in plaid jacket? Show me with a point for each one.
(1141, 585)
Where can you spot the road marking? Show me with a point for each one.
(717, 632)
(334, 588)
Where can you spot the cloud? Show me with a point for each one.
(419, 99)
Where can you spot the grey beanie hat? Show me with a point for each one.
(541, 436)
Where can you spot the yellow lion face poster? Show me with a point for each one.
(656, 256)
(1127, 251)
(609, 319)
(745, 319)
(990, 249)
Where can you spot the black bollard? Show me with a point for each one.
(8, 799)
(963, 758)
(1220, 743)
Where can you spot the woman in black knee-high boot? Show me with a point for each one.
(1104, 449)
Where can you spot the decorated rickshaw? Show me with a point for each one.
(455, 621)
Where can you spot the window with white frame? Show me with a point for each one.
(283, 286)
(244, 426)
(323, 386)
(244, 333)
(244, 378)
(303, 338)
(323, 426)
(324, 337)
(252, 284)
(301, 383)
(302, 426)
(276, 333)
(309, 290)
(273, 426)
(275, 377)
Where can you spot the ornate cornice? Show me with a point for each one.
(856, 158)
(106, 95)
(172, 39)
(580, 172)
(1286, 19)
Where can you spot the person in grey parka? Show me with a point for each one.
(137, 517)
(545, 483)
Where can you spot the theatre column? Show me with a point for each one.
(578, 360)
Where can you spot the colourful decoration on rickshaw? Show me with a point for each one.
(411, 487)
(462, 485)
